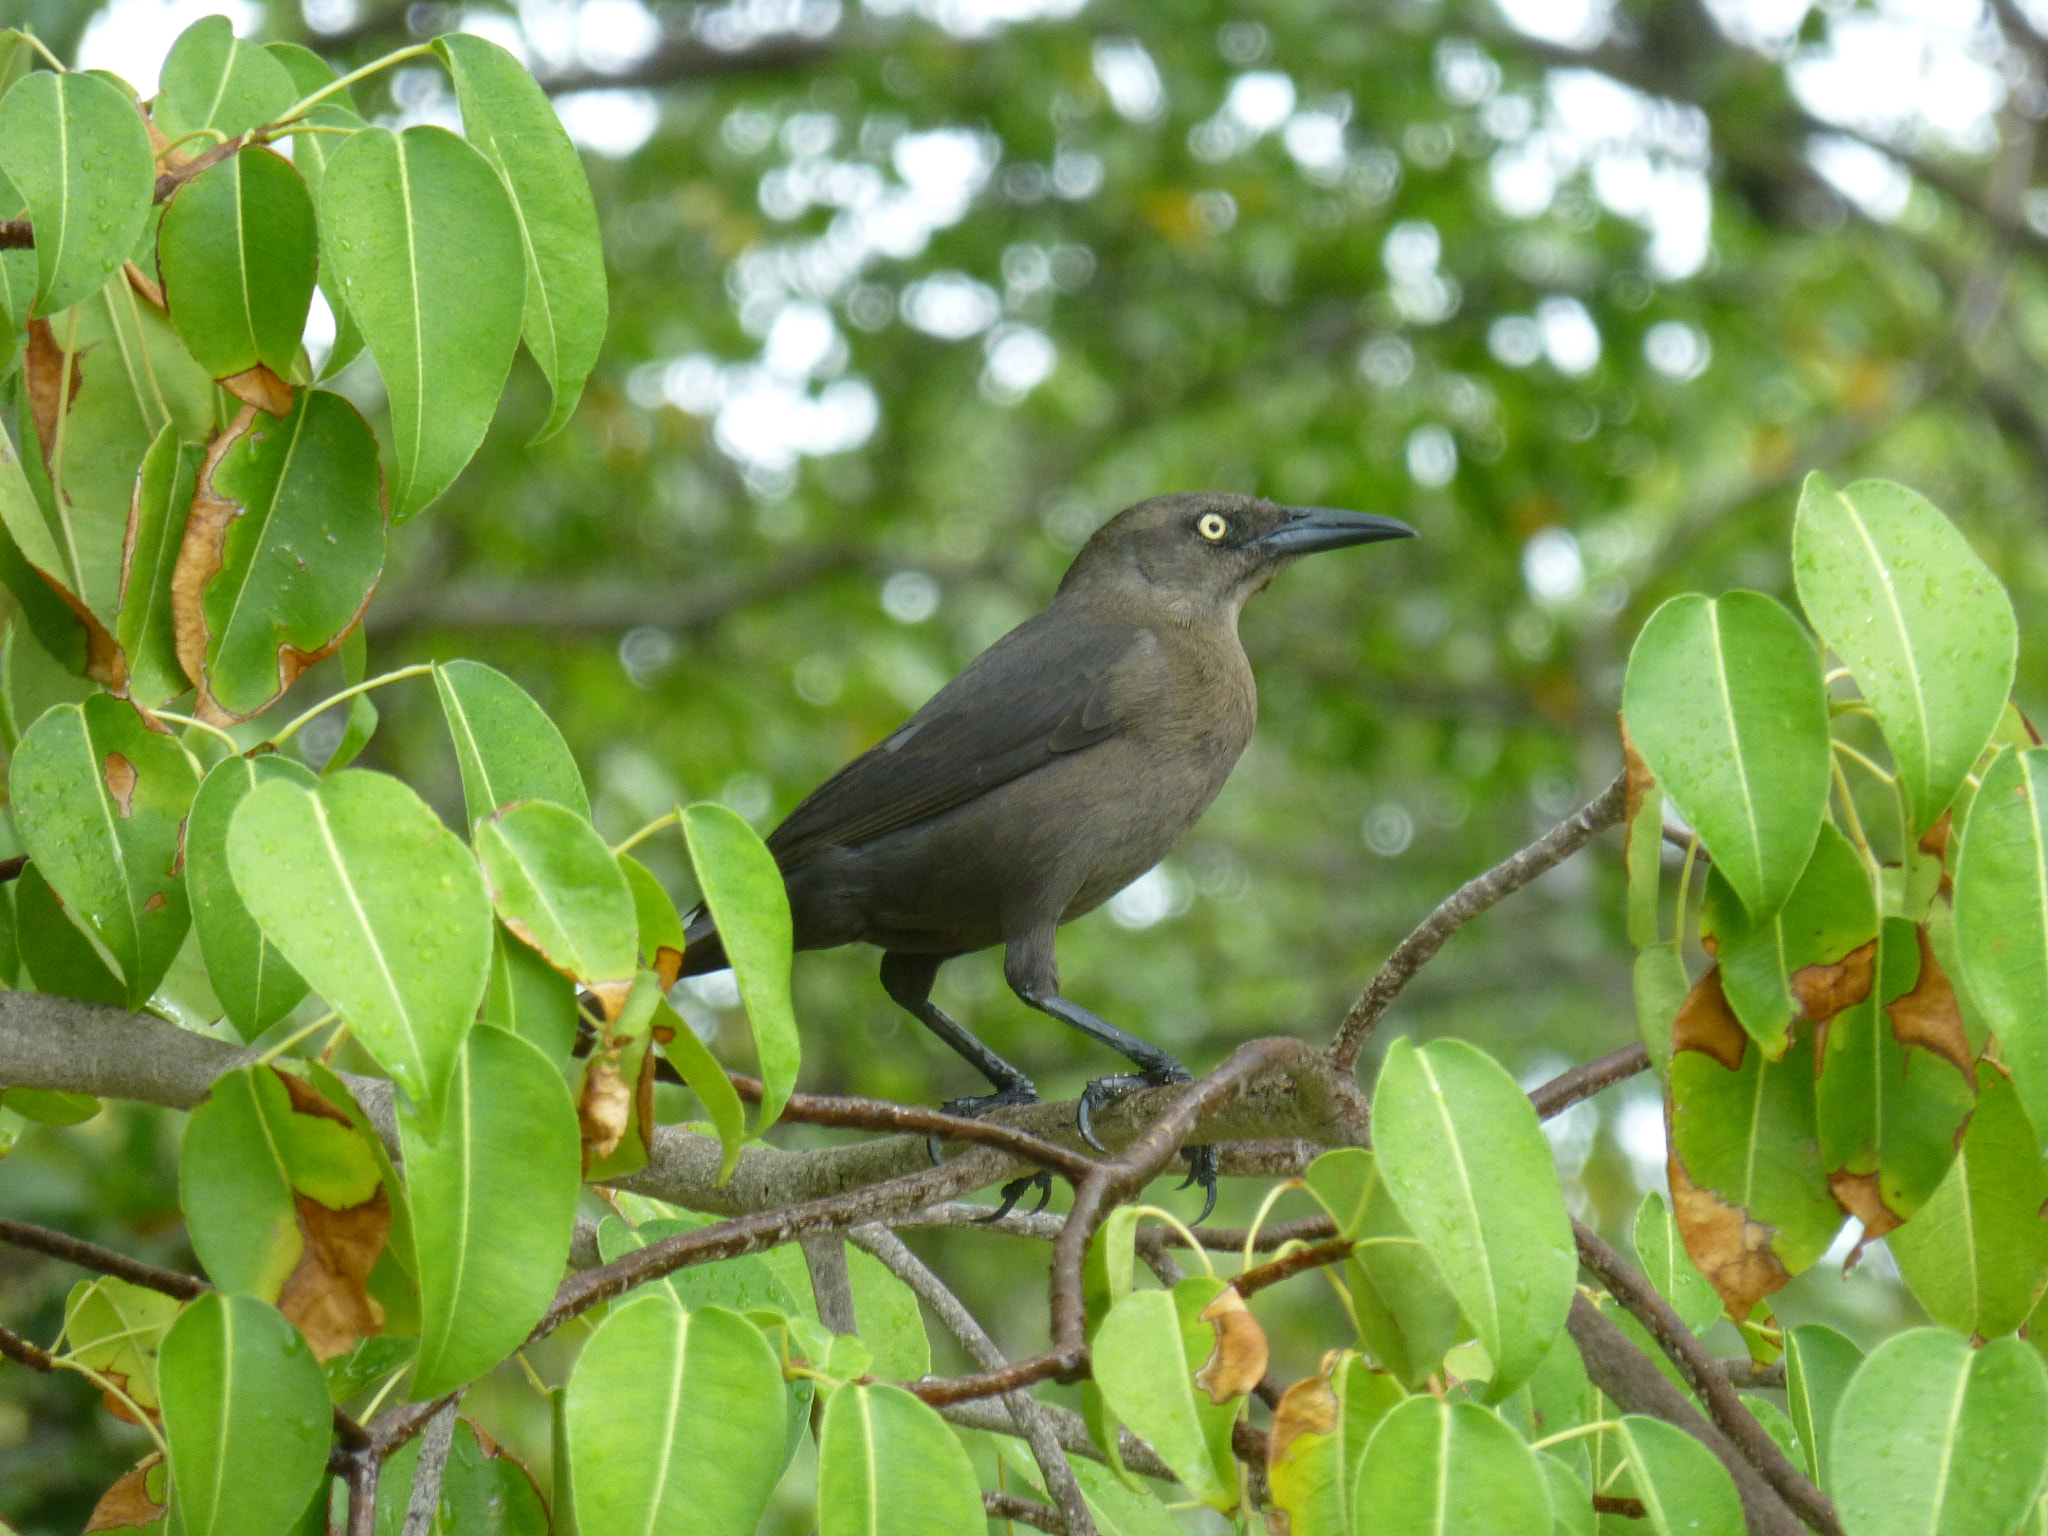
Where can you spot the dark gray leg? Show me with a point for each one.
(1033, 973)
(908, 980)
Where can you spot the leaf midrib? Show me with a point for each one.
(1912, 664)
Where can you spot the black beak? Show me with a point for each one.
(1309, 529)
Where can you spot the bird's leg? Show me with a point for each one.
(908, 979)
(1034, 977)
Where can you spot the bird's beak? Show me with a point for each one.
(1309, 529)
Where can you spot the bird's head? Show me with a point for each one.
(1202, 553)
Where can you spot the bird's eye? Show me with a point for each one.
(1212, 526)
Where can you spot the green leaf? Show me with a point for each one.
(236, 251)
(1659, 984)
(17, 269)
(508, 116)
(1818, 1365)
(250, 1147)
(483, 1493)
(557, 886)
(1934, 1437)
(507, 747)
(379, 907)
(1976, 1254)
(1661, 1252)
(100, 801)
(74, 147)
(423, 236)
(1723, 699)
(1461, 1150)
(1146, 1354)
(744, 891)
(1571, 1503)
(531, 998)
(493, 1206)
(116, 1328)
(246, 1417)
(675, 1422)
(311, 153)
(1890, 1118)
(212, 79)
(63, 634)
(56, 955)
(1450, 1469)
(48, 1106)
(891, 1323)
(255, 984)
(1896, 591)
(1683, 1486)
(282, 490)
(2002, 916)
(890, 1466)
(661, 926)
(145, 630)
(707, 1079)
(1319, 1436)
(1831, 912)
(1406, 1314)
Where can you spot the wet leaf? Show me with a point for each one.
(506, 745)
(744, 891)
(246, 1417)
(212, 79)
(256, 985)
(236, 251)
(1818, 1365)
(530, 997)
(507, 115)
(1665, 1263)
(558, 887)
(1684, 1488)
(493, 1206)
(100, 800)
(56, 955)
(311, 153)
(1406, 1314)
(1433, 1468)
(281, 552)
(1897, 592)
(156, 527)
(1461, 1150)
(1319, 1436)
(890, 1466)
(1723, 699)
(1147, 1352)
(115, 1328)
(379, 907)
(2001, 908)
(422, 234)
(74, 146)
(708, 1080)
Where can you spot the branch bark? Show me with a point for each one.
(75, 1250)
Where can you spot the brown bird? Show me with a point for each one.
(1064, 762)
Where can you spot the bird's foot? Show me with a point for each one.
(973, 1109)
(1201, 1161)
(1015, 1190)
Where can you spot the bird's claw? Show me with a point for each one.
(1015, 1190)
(1201, 1163)
(974, 1108)
(1099, 1093)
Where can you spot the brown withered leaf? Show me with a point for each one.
(199, 560)
(1238, 1363)
(308, 1100)
(1861, 1196)
(1308, 1407)
(668, 965)
(1825, 990)
(611, 995)
(605, 1110)
(127, 1504)
(1928, 1016)
(326, 1294)
(44, 370)
(261, 388)
(116, 1401)
(145, 286)
(1639, 783)
(1733, 1252)
(1706, 1023)
(1934, 841)
(121, 780)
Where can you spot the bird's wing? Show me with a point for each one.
(1042, 690)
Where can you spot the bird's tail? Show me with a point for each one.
(703, 950)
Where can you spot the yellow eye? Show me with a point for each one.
(1212, 526)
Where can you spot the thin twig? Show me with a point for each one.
(831, 1285)
(1568, 1088)
(1704, 1375)
(990, 1415)
(1009, 1506)
(18, 1349)
(76, 1250)
(1335, 1251)
(435, 1445)
(1466, 903)
(362, 1495)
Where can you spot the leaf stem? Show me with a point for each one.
(1179, 1226)
(65, 1362)
(1692, 853)
(296, 1036)
(1849, 815)
(303, 106)
(185, 138)
(1251, 1236)
(37, 43)
(215, 731)
(1865, 764)
(420, 669)
(1598, 1426)
(654, 826)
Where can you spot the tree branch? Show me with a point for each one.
(1568, 1088)
(75, 1250)
(1009, 1506)
(1333, 1251)
(1705, 1377)
(18, 1349)
(1466, 903)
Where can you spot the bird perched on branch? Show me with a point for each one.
(1064, 762)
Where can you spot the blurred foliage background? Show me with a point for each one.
(909, 295)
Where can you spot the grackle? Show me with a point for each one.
(1067, 760)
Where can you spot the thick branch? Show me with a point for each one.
(1466, 903)
(1626, 1375)
(1705, 1377)
(75, 1250)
